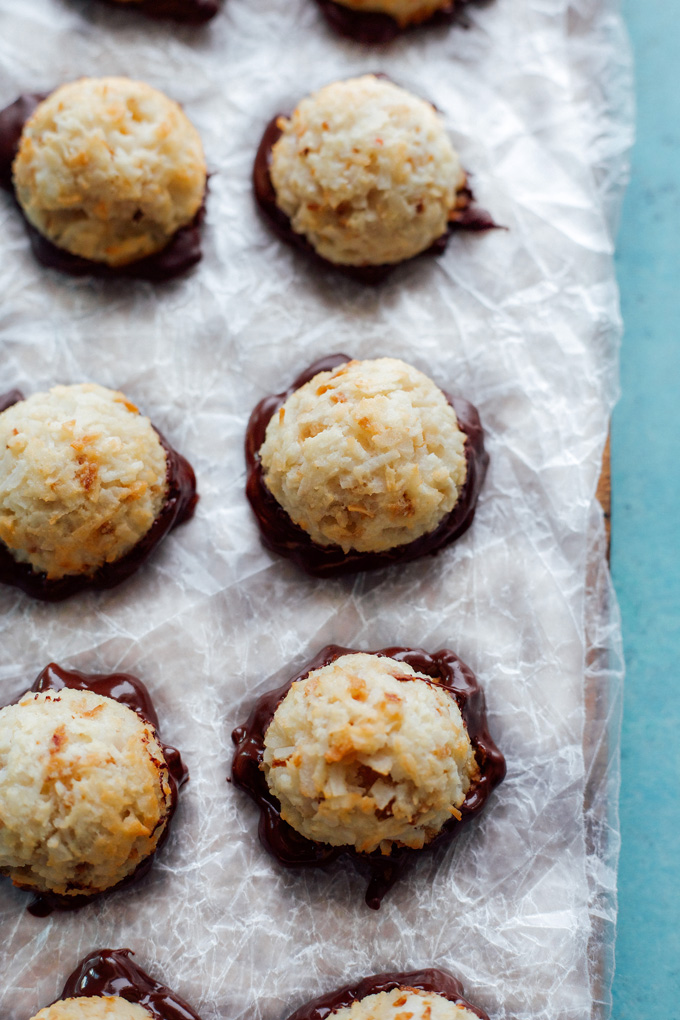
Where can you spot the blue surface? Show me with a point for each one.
(646, 519)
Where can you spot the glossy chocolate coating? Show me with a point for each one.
(430, 980)
(131, 692)
(467, 216)
(281, 535)
(112, 972)
(190, 12)
(180, 254)
(293, 849)
(179, 506)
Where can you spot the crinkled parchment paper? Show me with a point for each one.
(525, 323)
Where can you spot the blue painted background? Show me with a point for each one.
(646, 529)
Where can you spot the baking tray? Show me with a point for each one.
(525, 323)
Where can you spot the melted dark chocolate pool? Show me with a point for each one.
(178, 507)
(466, 216)
(281, 535)
(112, 972)
(131, 692)
(294, 850)
(191, 12)
(431, 980)
(180, 254)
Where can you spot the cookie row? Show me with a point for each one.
(108, 985)
(111, 179)
(371, 22)
(372, 756)
(357, 465)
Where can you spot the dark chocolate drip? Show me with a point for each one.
(375, 28)
(131, 692)
(431, 980)
(121, 687)
(12, 120)
(112, 972)
(179, 506)
(9, 399)
(281, 535)
(294, 850)
(181, 252)
(466, 216)
(190, 12)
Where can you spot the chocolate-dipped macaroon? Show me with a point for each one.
(377, 756)
(108, 985)
(363, 176)
(110, 176)
(431, 994)
(362, 464)
(87, 787)
(375, 22)
(88, 488)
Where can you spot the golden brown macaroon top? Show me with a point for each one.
(367, 752)
(366, 172)
(83, 476)
(109, 169)
(93, 1007)
(368, 457)
(85, 792)
(404, 1004)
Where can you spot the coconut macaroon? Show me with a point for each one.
(84, 789)
(413, 1003)
(368, 753)
(404, 12)
(366, 172)
(368, 456)
(109, 169)
(97, 1007)
(82, 479)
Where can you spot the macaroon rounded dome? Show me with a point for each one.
(109, 169)
(82, 479)
(365, 171)
(85, 789)
(368, 753)
(368, 456)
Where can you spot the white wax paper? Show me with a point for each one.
(523, 322)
